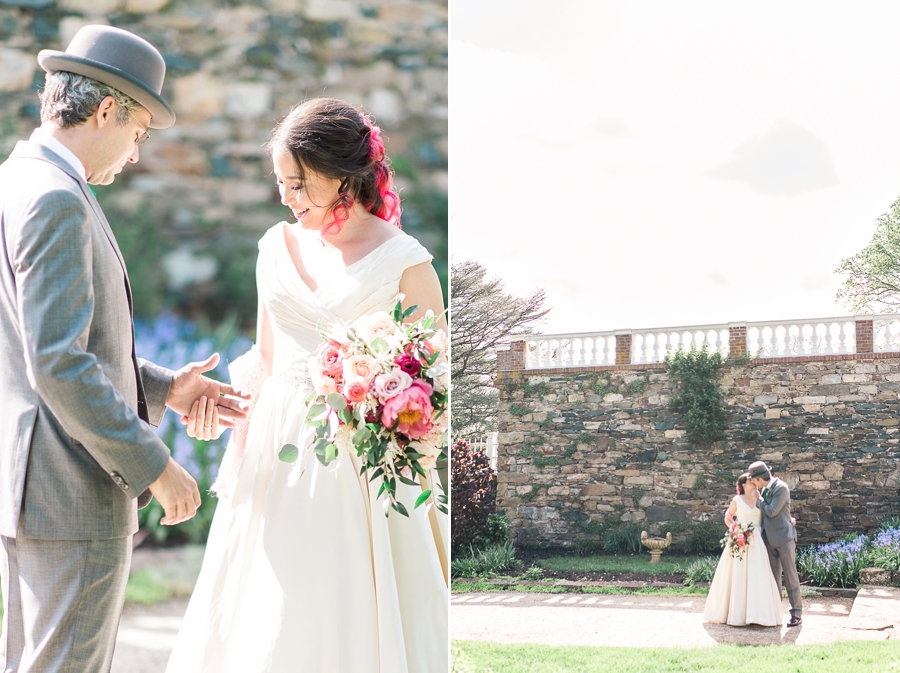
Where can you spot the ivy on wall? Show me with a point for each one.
(695, 375)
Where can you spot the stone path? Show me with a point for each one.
(146, 636)
(641, 621)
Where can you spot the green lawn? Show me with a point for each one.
(845, 657)
(600, 563)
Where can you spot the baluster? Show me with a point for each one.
(576, 351)
(889, 335)
(662, 343)
(846, 336)
(828, 339)
(807, 339)
(529, 355)
(721, 345)
(647, 343)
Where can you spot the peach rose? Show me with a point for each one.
(410, 410)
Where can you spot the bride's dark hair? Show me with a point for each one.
(332, 138)
(740, 483)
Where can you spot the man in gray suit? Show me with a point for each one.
(76, 448)
(779, 533)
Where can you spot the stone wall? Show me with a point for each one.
(189, 214)
(582, 446)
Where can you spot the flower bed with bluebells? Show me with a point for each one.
(837, 564)
(171, 342)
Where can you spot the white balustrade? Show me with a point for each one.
(766, 339)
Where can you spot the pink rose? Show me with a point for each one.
(360, 366)
(355, 390)
(410, 410)
(330, 356)
(392, 383)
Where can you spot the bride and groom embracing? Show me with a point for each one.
(761, 544)
(298, 576)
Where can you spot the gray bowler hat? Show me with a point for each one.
(118, 59)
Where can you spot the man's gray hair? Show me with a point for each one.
(70, 99)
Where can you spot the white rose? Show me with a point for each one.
(391, 384)
(430, 453)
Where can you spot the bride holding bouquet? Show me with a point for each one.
(743, 590)
(304, 571)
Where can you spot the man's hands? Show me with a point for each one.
(177, 492)
(189, 385)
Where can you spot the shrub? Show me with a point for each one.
(886, 549)
(474, 494)
(496, 531)
(623, 540)
(585, 547)
(534, 573)
(836, 564)
(890, 522)
(699, 571)
(705, 538)
(488, 562)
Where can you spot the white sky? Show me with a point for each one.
(654, 164)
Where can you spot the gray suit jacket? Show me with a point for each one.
(75, 450)
(776, 514)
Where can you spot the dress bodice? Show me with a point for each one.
(746, 514)
(300, 314)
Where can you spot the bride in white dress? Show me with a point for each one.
(743, 590)
(310, 575)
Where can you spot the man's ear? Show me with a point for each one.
(106, 112)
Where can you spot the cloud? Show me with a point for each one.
(786, 160)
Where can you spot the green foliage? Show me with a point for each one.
(640, 385)
(519, 410)
(533, 574)
(496, 530)
(637, 495)
(488, 562)
(533, 493)
(704, 538)
(624, 539)
(697, 397)
(540, 389)
(699, 571)
(638, 564)
(585, 438)
(699, 483)
(872, 276)
(585, 547)
(749, 437)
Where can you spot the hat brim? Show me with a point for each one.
(163, 116)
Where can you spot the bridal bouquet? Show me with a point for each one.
(380, 391)
(738, 539)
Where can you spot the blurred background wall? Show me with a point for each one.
(189, 214)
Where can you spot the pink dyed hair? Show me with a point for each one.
(332, 138)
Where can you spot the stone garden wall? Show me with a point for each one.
(582, 446)
(189, 214)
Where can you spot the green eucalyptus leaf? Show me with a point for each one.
(289, 453)
(362, 435)
(336, 401)
(378, 345)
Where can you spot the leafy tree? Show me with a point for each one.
(482, 316)
(872, 281)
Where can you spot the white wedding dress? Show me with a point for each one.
(310, 575)
(743, 591)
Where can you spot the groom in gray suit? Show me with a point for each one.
(779, 533)
(76, 448)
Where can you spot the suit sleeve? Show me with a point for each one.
(54, 285)
(157, 381)
(780, 498)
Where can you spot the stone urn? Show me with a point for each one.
(655, 545)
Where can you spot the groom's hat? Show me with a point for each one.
(758, 469)
(119, 59)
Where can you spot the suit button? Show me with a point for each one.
(116, 477)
